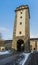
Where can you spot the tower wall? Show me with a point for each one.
(22, 28)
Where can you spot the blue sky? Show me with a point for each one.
(7, 16)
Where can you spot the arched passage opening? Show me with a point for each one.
(20, 45)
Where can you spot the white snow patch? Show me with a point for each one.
(4, 52)
(25, 59)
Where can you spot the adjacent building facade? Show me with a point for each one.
(7, 44)
(34, 44)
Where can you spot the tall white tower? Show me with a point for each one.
(21, 34)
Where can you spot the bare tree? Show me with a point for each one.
(0, 36)
(1, 40)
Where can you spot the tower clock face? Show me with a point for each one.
(20, 26)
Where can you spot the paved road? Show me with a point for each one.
(5, 56)
(9, 60)
(33, 60)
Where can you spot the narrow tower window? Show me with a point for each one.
(20, 23)
(20, 16)
(20, 32)
(21, 12)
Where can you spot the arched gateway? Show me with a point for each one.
(20, 45)
(21, 34)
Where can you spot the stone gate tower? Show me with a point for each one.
(21, 34)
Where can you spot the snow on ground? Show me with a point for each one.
(25, 59)
(4, 52)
